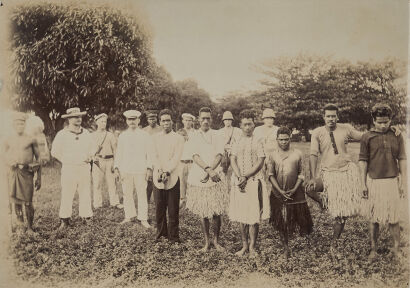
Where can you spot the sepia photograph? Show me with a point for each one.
(204, 143)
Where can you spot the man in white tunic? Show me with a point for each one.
(105, 145)
(247, 158)
(166, 157)
(133, 167)
(73, 147)
(207, 195)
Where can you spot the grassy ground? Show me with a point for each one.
(106, 254)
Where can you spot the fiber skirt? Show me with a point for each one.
(207, 201)
(342, 195)
(289, 218)
(383, 204)
(245, 207)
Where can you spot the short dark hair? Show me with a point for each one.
(283, 130)
(164, 112)
(330, 107)
(381, 110)
(205, 109)
(247, 114)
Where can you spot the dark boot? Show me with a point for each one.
(64, 223)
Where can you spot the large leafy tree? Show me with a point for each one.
(98, 59)
(297, 88)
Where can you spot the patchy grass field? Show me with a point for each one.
(106, 254)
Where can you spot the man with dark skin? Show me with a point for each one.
(247, 158)
(20, 150)
(207, 195)
(152, 128)
(383, 174)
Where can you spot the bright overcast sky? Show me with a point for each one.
(216, 42)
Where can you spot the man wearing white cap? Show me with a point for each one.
(231, 135)
(186, 159)
(134, 167)
(267, 134)
(268, 130)
(105, 145)
(73, 147)
(152, 128)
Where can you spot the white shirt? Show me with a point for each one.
(268, 136)
(206, 145)
(167, 151)
(186, 153)
(226, 135)
(72, 148)
(133, 152)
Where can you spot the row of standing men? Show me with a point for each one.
(251, 173)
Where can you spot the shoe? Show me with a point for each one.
(87, 220)
(126, 220)
(145, 224)
(64, 223)
(119, 206)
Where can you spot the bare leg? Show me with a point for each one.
(337, 231)
(374, 234)
(244, 236)
(205, 230)
(217, 222)
(253, 233)
(30, 216)
(19, 213)
(395, 232)
(285, 240)
(315, 196)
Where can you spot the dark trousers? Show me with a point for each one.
(150, 187)
(167, 199)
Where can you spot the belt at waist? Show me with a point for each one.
(105, 156)
(187, 161)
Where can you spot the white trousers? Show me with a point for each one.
(75, 178)
(129, 182)
(100, 175)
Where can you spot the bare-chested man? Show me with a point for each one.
(20, 150)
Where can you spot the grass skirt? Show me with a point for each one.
(383, 205)
(342, 195)
(208, 201)
(289, 218)
(244, 207)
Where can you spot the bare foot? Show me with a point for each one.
(396, 252)
(372, 255)
(253, 253)
(205, 248)
(332, 252)
(218, 247)
(31, 232)
(242, 251)
(286, 253)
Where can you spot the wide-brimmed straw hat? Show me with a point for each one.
(73, 112)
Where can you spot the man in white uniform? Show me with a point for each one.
(73, 147)
(105, 145)
(133, 167)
